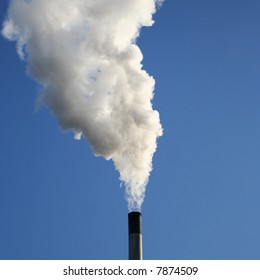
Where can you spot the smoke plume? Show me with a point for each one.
(83, 54)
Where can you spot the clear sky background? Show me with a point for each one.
(58, 201)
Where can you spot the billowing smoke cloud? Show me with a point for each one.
(83, 53)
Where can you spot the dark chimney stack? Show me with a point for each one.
(135, 236)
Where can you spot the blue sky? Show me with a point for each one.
(58, 201)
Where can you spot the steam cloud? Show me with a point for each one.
(83, 53)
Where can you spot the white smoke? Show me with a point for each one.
(84, 55)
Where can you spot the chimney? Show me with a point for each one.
(135, 236)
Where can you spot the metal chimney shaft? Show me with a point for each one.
(135, 236)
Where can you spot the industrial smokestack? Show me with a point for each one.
(135, 236)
